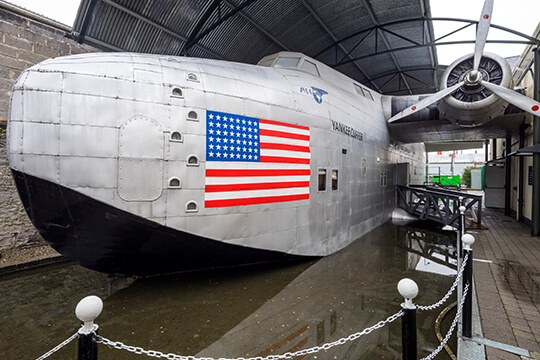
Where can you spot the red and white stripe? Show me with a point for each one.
(282, 174)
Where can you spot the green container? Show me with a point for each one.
(454, 180)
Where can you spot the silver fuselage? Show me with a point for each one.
(131, 131)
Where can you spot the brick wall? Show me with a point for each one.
(23, 43)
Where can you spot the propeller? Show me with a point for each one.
(523, 102)
(482, 32)
(426, 102)
(474, 77)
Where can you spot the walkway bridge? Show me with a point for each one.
(438, 204)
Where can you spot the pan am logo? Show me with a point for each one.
(316, 92)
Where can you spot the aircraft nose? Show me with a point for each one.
(99, 124)
(65, 115)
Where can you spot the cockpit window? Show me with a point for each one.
(287, 62)
(266, 62)
(310, 67)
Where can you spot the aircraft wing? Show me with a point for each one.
(435, 131)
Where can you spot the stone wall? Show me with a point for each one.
(24, 41)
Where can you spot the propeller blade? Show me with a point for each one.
(482, 32)
(523, 102)
(425, 102)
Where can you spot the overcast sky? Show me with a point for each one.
(520, 15)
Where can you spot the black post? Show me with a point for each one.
(408, 289)
(467, 306)
(521, 175)
(508, 176)
(87, 347)
(461, 230)
(535, 224)
(408, 333)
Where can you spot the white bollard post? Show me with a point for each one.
(408, 289)
(87, 310)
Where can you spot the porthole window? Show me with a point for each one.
(383, 178)
(334, 179)
(364, 167)
(175, 183)
(176, 136)
(177, 93)
(192, 77)
(192, 206)
(192, 115)
(322, 179)
(193, 160)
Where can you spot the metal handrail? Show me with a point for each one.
(424, 201)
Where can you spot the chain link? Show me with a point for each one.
(288, 355)
(451, 330)
(454, 285)
(52, 351)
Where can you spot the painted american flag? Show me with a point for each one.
(254, 161)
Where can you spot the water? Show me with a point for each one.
(245, 311)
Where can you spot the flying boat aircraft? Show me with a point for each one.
(143, 164)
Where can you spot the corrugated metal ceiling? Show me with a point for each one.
(355, 37)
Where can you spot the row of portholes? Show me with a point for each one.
(176, 183)
(192, 160)
(192, 116)
(177, 92)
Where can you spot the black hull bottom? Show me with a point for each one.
(106, 239)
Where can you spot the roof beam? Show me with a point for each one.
(252, 22)
(428, 32)
(157, 26)
(211, 28)
(200, 23)
(334, 38)
(386, 43)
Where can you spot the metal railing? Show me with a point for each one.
(437, 204)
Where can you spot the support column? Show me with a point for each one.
(508, 179)
(535, 226)
(521, 177)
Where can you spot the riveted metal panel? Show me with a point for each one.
(92, 141)
(140, 161)
(88, 172)
(41, 138)
(40, 106)
(114, 65)
(44, 166)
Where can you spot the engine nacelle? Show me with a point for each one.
(473, 104)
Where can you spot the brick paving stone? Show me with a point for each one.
(496, 354)
(508, 290)
(529, 344)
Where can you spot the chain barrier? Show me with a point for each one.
(52, 351)
(287, 355)
(454, 285)
(451, 330)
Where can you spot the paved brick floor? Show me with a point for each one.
(508, 289)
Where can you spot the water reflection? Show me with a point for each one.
(248, 311)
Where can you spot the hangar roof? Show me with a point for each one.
(357, 37)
